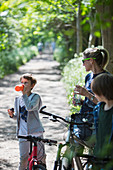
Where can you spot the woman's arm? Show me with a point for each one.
(84, 92)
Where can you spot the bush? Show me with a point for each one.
(73, 73)
(61, 55)
(10, 61)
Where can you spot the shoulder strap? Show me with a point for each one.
(34, 94)
(96, 115)
(31, 96)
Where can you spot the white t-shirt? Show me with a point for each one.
(23, 117)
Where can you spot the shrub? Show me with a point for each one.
(62, 55)
(73, 74)
(10, 61)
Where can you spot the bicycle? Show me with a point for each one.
(64, 162)
(33, 162)
(75, 160)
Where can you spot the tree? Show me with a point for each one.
(74, 24)
(106, 20)
(78, 27)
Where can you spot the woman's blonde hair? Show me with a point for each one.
(101, 56)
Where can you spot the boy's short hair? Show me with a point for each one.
(29, 76)
(103, 85)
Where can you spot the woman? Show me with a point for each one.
(94, 60)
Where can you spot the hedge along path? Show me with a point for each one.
(53, 94)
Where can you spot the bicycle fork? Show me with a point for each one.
(58, 161)
(33, 156)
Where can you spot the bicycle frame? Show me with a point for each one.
(33, 156)
(66, 159)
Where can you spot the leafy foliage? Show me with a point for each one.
(10, 62)
(73, 74)
(62, 56)
(27, 22)
(24, 23)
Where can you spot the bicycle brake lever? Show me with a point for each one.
(50, 118)
(45, 117)
(54, 120)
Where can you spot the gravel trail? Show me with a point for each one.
(51, 89)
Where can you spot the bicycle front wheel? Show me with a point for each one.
(38, 167)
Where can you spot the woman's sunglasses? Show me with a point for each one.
(87, 59)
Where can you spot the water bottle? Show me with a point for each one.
(19, 87)
(76, 99)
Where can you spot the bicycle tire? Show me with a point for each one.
(38, 167)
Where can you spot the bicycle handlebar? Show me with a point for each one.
(35, 139)
(53, 115)
(59, 117)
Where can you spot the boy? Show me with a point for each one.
(28, 122)
(102, 87)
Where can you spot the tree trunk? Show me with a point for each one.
(79, 31)
(107, 33)
(92, 23)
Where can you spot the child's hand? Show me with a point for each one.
(11, 112)
(24, 91)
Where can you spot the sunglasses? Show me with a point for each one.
(87, 59)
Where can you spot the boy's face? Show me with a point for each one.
(27, 84)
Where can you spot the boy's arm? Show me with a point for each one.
(33, 104)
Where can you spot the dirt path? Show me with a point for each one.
(53, 96)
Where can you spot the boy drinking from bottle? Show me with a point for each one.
(28, 123)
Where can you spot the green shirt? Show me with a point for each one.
(102, 146)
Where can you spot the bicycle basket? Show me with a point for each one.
(84, 130)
